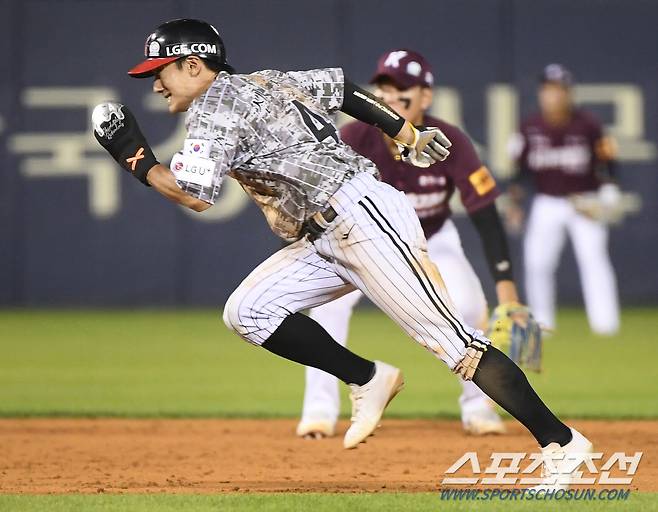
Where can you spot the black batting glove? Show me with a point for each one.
(116, 129)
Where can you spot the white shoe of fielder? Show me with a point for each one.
(369, 402)
(561, 462)
(483, 422)
(316, 428)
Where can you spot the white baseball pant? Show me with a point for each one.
(376, 245)
(321, 395)
(550, 220)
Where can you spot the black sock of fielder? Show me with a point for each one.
(303, 340)
(507, 385)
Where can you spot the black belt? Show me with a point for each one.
(319, 222)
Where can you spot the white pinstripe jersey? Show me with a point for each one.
(273, 132)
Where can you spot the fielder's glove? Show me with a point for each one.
(514, 331)
(608, 205)
(116, 129)
(430, 145)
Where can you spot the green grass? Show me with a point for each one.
(186, 363)
(646, 502)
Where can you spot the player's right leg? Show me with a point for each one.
(543, 243)
(478, 414)
(293, 279)
(321, 397)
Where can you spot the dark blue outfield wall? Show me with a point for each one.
(76, 231)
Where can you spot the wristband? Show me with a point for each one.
(116, 129)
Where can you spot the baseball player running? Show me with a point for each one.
(564, 153)
(272, 132)
(404, 81)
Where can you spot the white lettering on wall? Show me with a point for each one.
(627, 127)
(62, 154)
(57, 154)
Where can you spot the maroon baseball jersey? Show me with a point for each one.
(562, 160)
(429, 190)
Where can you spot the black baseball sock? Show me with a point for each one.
(303, 340)
(507, 385)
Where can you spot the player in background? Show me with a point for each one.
(404, 80)
(562, 151)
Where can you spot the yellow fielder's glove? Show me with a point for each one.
(514, 331)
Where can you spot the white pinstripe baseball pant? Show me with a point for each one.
(321, 394)
(376, 244)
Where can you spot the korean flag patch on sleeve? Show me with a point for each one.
(193, 164)
(197, 147)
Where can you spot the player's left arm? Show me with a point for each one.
(489, 226)
(479, 191)
(420, 146)
(512, 327)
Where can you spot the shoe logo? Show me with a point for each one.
(133, 159)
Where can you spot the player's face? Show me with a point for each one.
(177, 85)
(554, 98)
(409, 103)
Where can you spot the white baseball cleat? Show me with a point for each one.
(369, 402)
(319, 428)
(560, 463)
(483, 422)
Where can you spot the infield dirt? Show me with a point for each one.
(217, 456)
